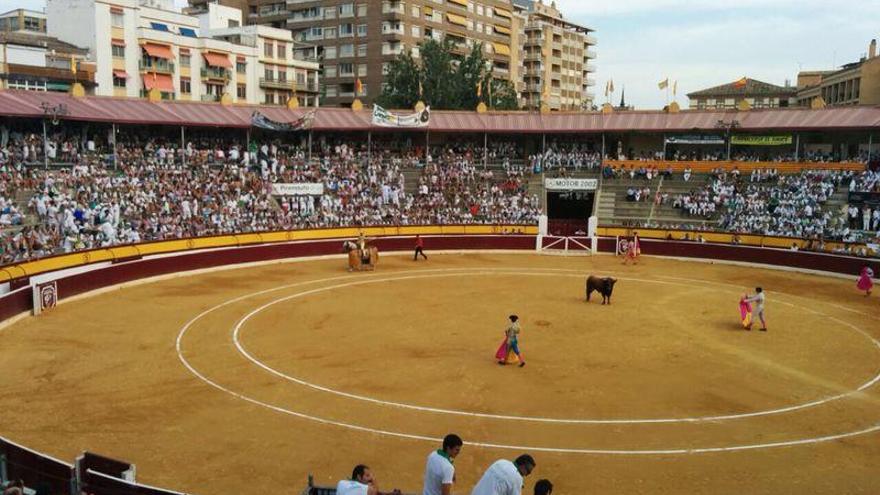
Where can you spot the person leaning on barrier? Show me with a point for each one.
(439, 469)
(505, 477)
(362, 482)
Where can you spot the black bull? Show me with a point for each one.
(604, 286)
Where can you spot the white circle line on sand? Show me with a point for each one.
(528, 272)
(408, 436)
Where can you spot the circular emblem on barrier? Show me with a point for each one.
(190, 244)
(87, 257)
(623, 246)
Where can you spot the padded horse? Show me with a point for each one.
(361, 260)
(604, 286)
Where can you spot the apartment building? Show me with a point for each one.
(143, 46)
(558, 59)
(356, 38)
(33, 61)
(857, 83)
(284, 67)
(758, 94)
(23, 20)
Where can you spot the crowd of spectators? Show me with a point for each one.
(155, 189)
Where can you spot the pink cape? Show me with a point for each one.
(865, 282)
(501, 353)
(745, 312)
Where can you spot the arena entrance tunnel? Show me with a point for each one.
(570, 203)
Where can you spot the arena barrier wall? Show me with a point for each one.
(803, 260)
(130, 263)
(744, 167)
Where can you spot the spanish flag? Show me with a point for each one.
(358, 87)
(663, 84)
(741, 83)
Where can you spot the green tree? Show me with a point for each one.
(448, 81)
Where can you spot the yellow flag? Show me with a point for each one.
(546, 93)
(479, 90)
(72, 64)
(663, 84)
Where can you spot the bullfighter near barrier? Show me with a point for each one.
(604, 286)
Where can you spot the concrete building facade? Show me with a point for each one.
(857, 83)
(757, 94)
(36, 62)
(146, 45)
(558, 60)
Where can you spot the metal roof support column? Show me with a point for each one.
(115, 153)
(183, 146)
(485, 149)
(45, 146)
(797, 147)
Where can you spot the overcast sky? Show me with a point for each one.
(703, 43)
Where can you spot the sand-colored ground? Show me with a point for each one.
(246, 380)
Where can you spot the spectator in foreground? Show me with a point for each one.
(361, 483)
(504, 477)
(439, 469)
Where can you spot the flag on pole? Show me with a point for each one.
(611, 82)
(674, 88)
(479, 90)
(421, 90)
(358, 87)
(607, 88)
(741, 83)
(663, 84)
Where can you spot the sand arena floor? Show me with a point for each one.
(246, 380)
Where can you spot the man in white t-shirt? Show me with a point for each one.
(439, 470)
(758, 310)
(504, 477)
(361, 483)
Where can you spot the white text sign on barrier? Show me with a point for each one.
(299, 189)
(571, 184)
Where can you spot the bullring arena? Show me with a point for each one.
(192, 303)
(252, 377)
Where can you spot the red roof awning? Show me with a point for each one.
(158, 51)
(117, 42)
(120, 74)
(217, 60)
(162, 82)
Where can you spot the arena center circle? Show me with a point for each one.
(493, 271)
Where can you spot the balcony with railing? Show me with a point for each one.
(591, 54)
(275, 83)
(591, 40)
(393, 8)
(160, 66)
(216, 73)
(210, 97)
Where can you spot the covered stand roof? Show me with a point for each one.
(16, 103)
